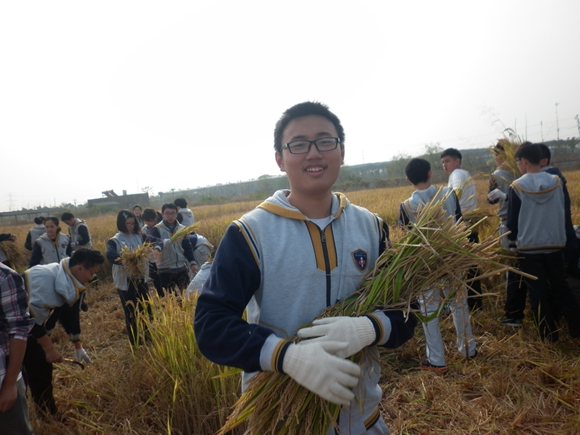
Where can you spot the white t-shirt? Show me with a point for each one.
(460, 180)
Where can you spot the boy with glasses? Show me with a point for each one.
(177, 257)
(298, 252)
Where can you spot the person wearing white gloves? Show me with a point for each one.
(50, 286)
(299, 252)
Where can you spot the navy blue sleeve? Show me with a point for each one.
(514, 205)
(28, 243)
(222, 335)
(84, 237)
(187, 249)
(403, 328)
(36, 257)
(112, 252)
(68, 248)
(458, 214)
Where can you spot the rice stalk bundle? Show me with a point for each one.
(480, 220)
(182, 233)
(135, 261)
(435, 249)
(16, 255)
(510, 143)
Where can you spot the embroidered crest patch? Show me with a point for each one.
(360, 259)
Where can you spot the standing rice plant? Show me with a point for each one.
(192, 394)
(434, 250)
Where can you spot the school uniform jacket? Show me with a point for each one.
(411, 207)
(536, 213)
(286, 271)
(50, 251)
(50, 286)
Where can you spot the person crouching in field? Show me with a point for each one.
(418, 172)
(538, 233)
(52, 247)
(50, 286)
(299, 252)
(132, 289)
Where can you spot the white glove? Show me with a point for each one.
(357, 332)
(496, 194)
(82, 356)
(313, 365)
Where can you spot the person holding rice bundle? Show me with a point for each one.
(150, 219)
(462, 182)
(499, 183)
(418, 172)
(177, 257)
(299, 252)
(130, 279)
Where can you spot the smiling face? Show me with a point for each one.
(312, 174)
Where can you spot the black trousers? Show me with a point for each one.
(174, 282)
(550, 295)
(132, 301)
(38, 376)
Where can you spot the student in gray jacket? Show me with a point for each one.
(537, 224)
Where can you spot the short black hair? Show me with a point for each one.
(149, 215)
(137, 206)
(301, 110)
(417, 171)
(122, 217)
(529, 151)
(87, 257)
(67, 215)
(168, 205)
(545, 151)
(452, 152)
(180, 202)
(38, 220)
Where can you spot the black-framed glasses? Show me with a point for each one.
(303, 146)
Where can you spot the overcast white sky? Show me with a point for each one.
(127, 94)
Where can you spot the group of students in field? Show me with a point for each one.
(54, 285)
(306, 248)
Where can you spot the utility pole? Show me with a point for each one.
(542, 129)
(578, 124)
(557, 124)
